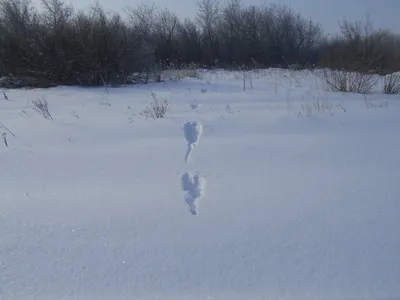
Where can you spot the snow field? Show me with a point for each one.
(302, 190)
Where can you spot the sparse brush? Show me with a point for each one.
(392, 84)
(42, 107)
(318, 107)
(155, 110)
(351, 82)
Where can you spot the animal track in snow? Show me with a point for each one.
(193, 131)
(194, 186)
(193, 183)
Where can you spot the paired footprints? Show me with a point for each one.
(194, 186)
(193, 183)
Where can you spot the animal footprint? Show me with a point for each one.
(194, 186)
(193, 131)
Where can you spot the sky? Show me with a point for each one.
(383, 13)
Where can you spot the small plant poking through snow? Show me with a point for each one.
(247, 77)
(75, 114)
(42, 107)
(156, 109)
(4, 137)
(5, 95)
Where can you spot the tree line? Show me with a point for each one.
(95, 47)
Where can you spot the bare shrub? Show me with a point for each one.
(392, 84)
(360, 48)
(42, 107)
(156, 109)
(350, 82)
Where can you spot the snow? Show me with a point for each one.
(302, 190)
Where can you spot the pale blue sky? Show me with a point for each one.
(384, 13)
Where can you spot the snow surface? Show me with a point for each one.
(302, 202)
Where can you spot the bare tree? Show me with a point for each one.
(56, 13)
(230, 32)
(166, 32)
(359, 48)
(207, 18)
(143, 18)
(19, 23)
(189, 42)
